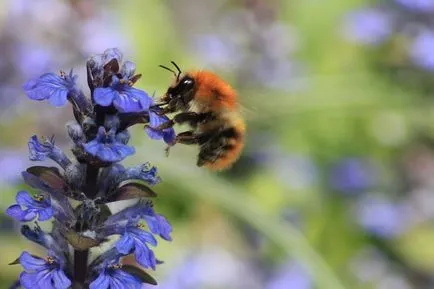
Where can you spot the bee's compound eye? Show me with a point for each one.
(187, 83)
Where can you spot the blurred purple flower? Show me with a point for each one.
(11, 165)
(382, 217)
(367, 26)
(290, 275)
(215, 50)
(194, 273)
(422, 50)
(426, 6)
(32, 60)
(102, 31)
(280, 74)
(352, 175)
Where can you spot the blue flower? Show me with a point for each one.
(368, 26)
(135, 239)
(51, 86)
(40, 151)
(124, 97)
(155, 120)
(39, 207)
(108, 147)
(111, 277)
(42, 273)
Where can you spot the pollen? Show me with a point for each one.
(142, 226)
(49, 260)
(39, 198)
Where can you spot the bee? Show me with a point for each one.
(209, 106)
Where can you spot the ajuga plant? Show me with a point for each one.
(75, 195)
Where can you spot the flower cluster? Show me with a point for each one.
(404, 28)
(93, 179)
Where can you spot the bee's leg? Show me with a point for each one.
(213, 149)
(192, 118)
(187, 137)
(168, 109)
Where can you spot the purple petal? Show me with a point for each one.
(36, 280)
(169, 136)
(31, 263)
(24, 199)
(107, 154)
(122, 279)
(164, 228)
(125, 244)
(144, 255)
(153, 133)
(131, 99)
(155, 120)
(43, 279)
(102, 282)
(45, 214)
(60, 280)
(92, 147)
(143, 236)
(49, 86)
(18, 214)
(58, 97)
(104, 95)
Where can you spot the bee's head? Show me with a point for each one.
(183, 90)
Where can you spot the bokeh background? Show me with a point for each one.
(335, 188)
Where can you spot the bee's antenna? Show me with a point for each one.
(171, 70)
(177, 68)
